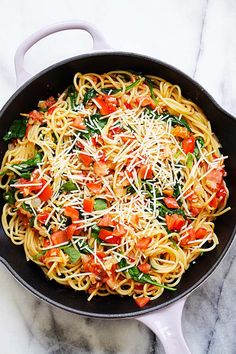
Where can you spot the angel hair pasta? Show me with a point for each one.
(112, 187)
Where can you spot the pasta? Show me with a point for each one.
(113, 187)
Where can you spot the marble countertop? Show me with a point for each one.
(199, 38)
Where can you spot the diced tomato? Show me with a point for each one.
(181, 132)
(190, 236)
(42, 217)
(119, 230)
(171, 203)
(138, 286)
(144, 267)
(147, 101)
(127, 138)
(107, 104)
(91, 266)
(95, 187)
(85, 159)
(78, 123)
(106, 221)
(108, 237)
(51, 109)
(143, 243)
(214, 179)
(114, 131)
(54, 252)
(128, 105)
(46, 242)
(142, 301)
(47, 193)
(59, 237)
(145, 172)
(214, 203)
(88, 205)
(188, 145)
(175, 222)
(70, 231)
(222, 193)
(201, 233)
(35, 115)
(34, 186)
(50, 101)
(168, 192)
(100, 168)
(71, 213)
(194, 210)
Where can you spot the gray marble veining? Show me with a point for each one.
(199, 38)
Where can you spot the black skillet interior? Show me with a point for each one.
(54, 80)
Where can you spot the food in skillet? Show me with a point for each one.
(113, 187)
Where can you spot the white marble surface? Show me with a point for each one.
(199, 38)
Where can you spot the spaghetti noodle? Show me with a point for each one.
(113, 187)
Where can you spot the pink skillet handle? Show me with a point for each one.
(166, 324)
(99, 43)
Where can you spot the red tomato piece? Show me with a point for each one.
(214, 203)
(145, 172)
(181, 132)
(214, 179)
(50, 101)
(171, 203)
(143, 243)
(108, 237)
(35, 115)
(142, 301)
(190, 236)
(188, 145)
(106, 221)
(119, 230)
(95, 187)
(201, 233)
(144, 267)
(70, 231)
(42, 217)
(85, 159)
(47, 192)
(107, 104)
(51, 109)
(78, 123)
(222, 193)
(71, 213)
(128, 105)
(59, 237)
(88, 205)
(100, 168)
(175, 222)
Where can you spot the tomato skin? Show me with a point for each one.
(142, 301)
(85, 159)
(107, 104)
(100, 168)
(214, 179)
(50, 101)
(171, 203)
(143, 243)
(91, 266)
(95, 187)
(175, 222)
(35, 115)
(144, 267)
(119, 230)
(78, 123)
(47, 193)
(188, 145)
(108, 237)
(70, 231)
(190, 236)
(71, 213)
(222, 193)
(214, 203)
(42, 217)
(128, 105)
(51, 109)
(27, 190)
(59, 237)
(106, 221)
(201, 233)
(145, 172)
(88, 205)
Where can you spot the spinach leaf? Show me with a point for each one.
(69, 186)
(95, 232)
(110, 90)
(73, 94)
(16, 130)
(196, 149)
(38, 255)
(135, 83)
(27, 207)
(9, 196)
(89, 95)
(140, 277)
(31, 221)
(28, 166)
(175, 120)
(163, 210)
(176, 190)
(100, 204)
(150, 85)
(83, 247)
(94, 125)
(73, 253)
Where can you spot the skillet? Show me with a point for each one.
(162, 315)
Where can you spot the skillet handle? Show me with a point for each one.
(166, 324)
(99, 43)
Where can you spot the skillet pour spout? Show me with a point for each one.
(48, 83)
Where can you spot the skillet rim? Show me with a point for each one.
(232, 234)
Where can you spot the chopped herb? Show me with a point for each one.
(27, 207)
(128, 88)
(176, 155)
(150, 85)
(94, 125)
(140, 277)
(31, 221)
(95, 232)
(73, 94)
(73, 253)
(100, 204)
(176, 190)
(16, 130)
(175, 120)
(89, 95)
(69, 186)
(24, 168)
(110, 90)
(9, 196)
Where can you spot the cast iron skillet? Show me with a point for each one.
(54, 80)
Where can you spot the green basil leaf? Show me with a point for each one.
(89, 95)
(16, 130)
(110, 90)
(150, 85)
(100, 204)
(95, 230)
(128, 88)
(29, 165)
(73, 253)
(94, 125)
(9, 196)
(69, 186)
(27, 207)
